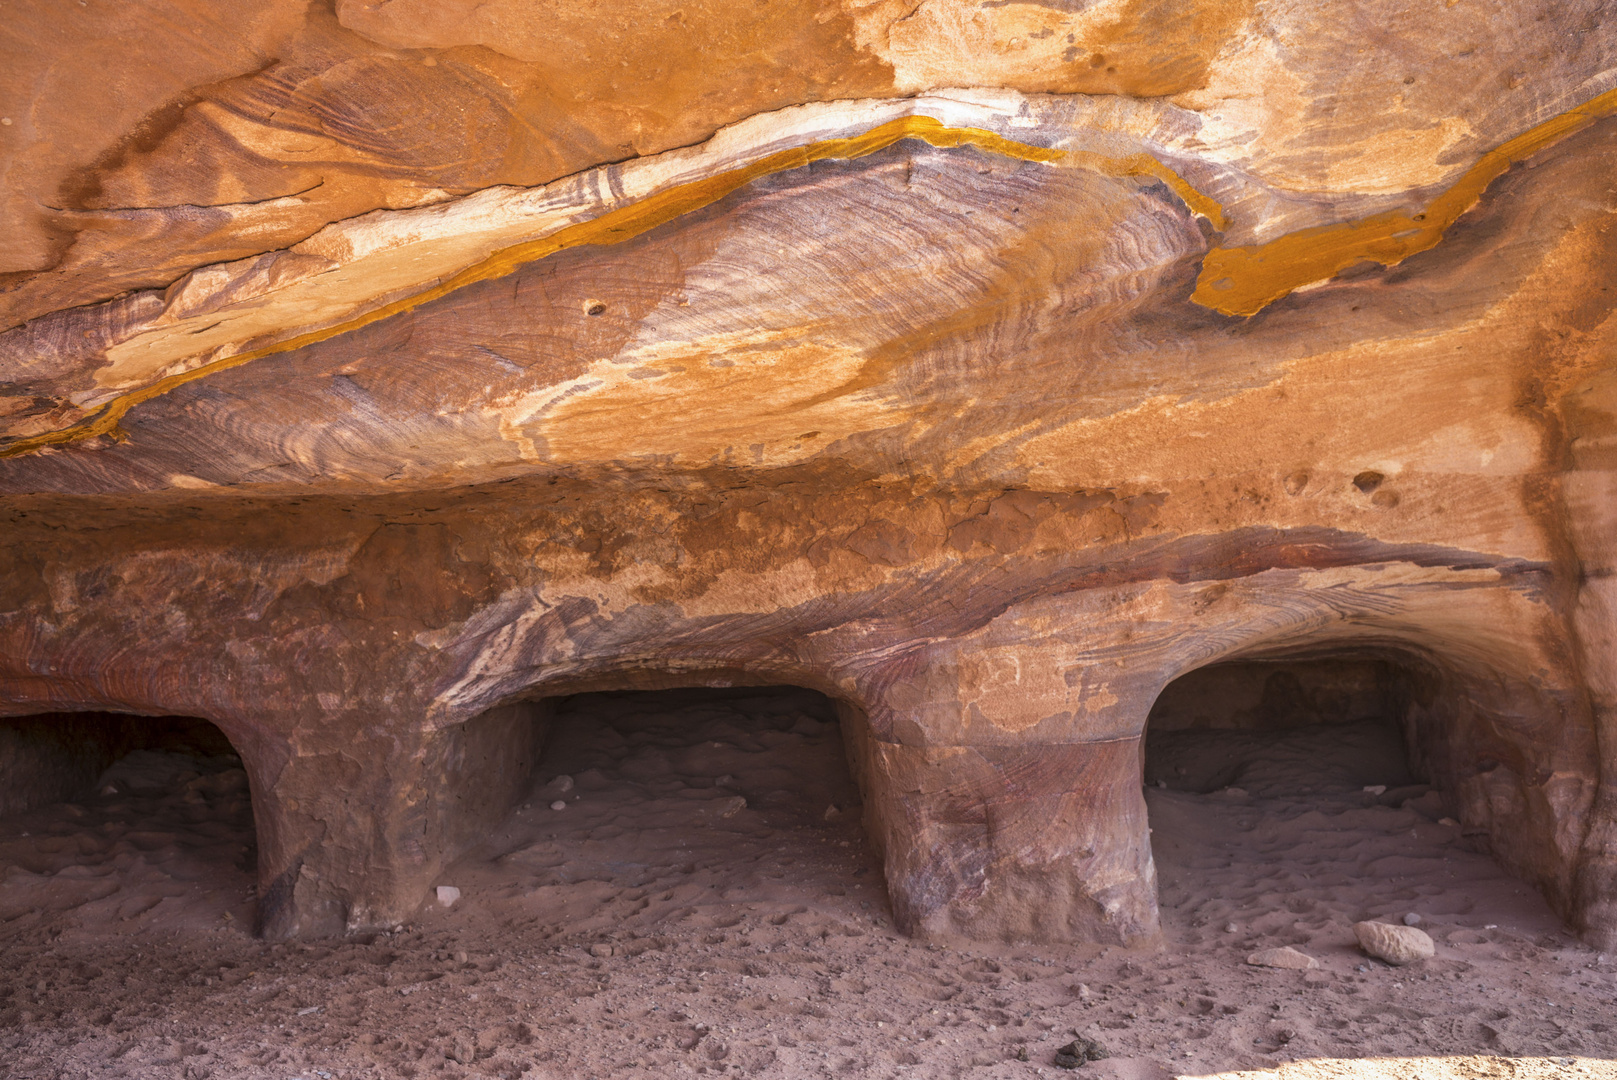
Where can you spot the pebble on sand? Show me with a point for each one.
(559, 804)
(447, 895)
(1283, 957)
(1396, 945)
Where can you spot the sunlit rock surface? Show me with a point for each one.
(376, 372)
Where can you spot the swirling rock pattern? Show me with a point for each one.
(375, 372)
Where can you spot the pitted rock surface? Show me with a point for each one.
(1397, 945)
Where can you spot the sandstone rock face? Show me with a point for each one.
(1395, 944)
(373, 373)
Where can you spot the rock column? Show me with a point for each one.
(358, 823)
(1005, 809)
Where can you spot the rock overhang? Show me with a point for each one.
(931, 403)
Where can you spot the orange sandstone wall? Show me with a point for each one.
(371, 372)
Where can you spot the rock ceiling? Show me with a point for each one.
(333, 168)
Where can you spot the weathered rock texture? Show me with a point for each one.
(1395, 944)
(378, 371)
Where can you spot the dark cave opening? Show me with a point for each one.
(110, 818)
(1288, 727)
(1331, 786)
(780, 749)
(671, 800)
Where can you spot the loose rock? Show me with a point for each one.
(447, 895)
(1283, 957)
(1079, 1051)
(1396, 945)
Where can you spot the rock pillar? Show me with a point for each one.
(1004, 808)
(358, 822)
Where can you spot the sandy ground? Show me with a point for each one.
(705, 904)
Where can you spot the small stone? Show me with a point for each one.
(1231, 928)
(447, 895)
(601, 948)
(1412, 919)
(559, 804)
(1079, 1051)
(1283, 957)
(1083, 992)
(560, 785)
(1375, 789)
(1396, 945)
(1450, 822)
(831, 812)
(731, 807)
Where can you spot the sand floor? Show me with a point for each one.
(706, 904)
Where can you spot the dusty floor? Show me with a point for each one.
(705, 904)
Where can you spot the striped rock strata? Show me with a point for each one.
(986, 412)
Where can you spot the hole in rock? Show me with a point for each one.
(115, 823)
(731, 810)
(1290, 798)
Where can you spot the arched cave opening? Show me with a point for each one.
(1292, 796)
(1279, 728)
(733, 807)
(118, 823)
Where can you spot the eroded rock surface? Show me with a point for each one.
(1397, 945)
(375, 373)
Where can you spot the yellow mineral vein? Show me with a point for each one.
(612, 227)
(1245, 280)
(1233, 281)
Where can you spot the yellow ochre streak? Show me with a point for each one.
(1233, 281)
(1245, 280)
(612, 227)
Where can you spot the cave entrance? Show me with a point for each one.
(118, 823)
(708, 806)
(1286, 728)
(1291, 797)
